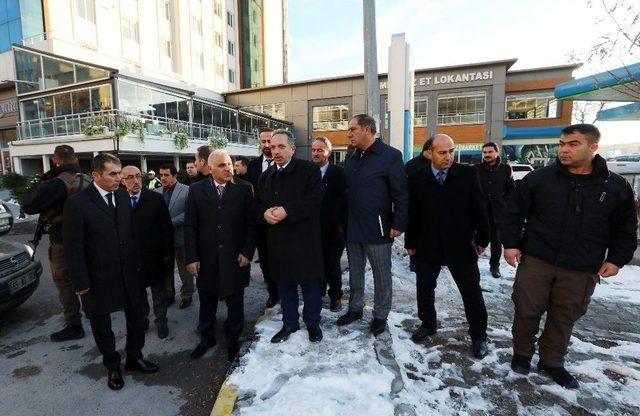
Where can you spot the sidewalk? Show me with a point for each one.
(352, 373)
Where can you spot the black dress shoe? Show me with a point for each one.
(378, 326)
(422, 333)
(272, 301)
(521, 364)
(114, 379)
(283, 334)
(349, 317)
(68, 333)
(233, 348)
(163, 331)
(495, 272)
(479, 347)
(185, 303)
(142, 366)
(560, 375)
(202, 348)
(335, 305)
(315, 333)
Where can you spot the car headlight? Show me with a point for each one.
(29, 250)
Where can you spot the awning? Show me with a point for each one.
(620, 84)
(623, 113)
(531, 132)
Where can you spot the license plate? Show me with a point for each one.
(20, 282)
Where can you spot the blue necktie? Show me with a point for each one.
(440, 177)
(134, 201)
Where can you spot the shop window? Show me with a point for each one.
(331, 117)
(530, 107)
(468, 108)
(420, 112)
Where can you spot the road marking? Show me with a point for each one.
(226, 399)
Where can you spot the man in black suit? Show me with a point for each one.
(332, 219)
(240, 168)
(289, 198)
(220, 230)
(104, 265)
(154, 234)
(448, 226)
(255, 169)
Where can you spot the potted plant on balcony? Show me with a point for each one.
(180, 139)
(93, 127)
(218, 140)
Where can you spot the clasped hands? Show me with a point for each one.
(274, 215)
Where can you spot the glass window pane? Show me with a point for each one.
(183, 110)
(5, 42)
(101, 98)
(30, 109)
(197, 112)
(28, 71)
(85, 73)
(172, 110)
(63, 104)
(207, 114)
(46, 110)
(81, 101)
(57, 73)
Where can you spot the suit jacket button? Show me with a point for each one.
(220, 246)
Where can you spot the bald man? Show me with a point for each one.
(448, 226)
(154, 236)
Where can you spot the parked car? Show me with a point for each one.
(520, 171)
(6, 219)
(19, 274)
(631, 157)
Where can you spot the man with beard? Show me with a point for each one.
(202, 163)
(191, 174)
(497, 184)
(48, 200)
(255, 169)
(566, 225)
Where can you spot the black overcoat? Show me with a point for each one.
(154, 234)
(101, 252)
(497, 184)
(295, 248)
(333, 210)
(445, 222)
(217, 231)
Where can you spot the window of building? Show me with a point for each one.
(217, 8)
(166, 47)
(217, 39)
(57, 73)
(165, 9)
(530, 106)
(463, 108)
(230, 19)
(80, 101)
(196, 24)
(331, 117)
(232, 76)
(231, 48)
(86, 10)
(275, 110)
(420, 112)
(130, 29)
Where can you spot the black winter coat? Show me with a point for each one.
(101, 251)
(416, 164)
(572, 220)
(446, 222)
(254, 171)
(218, 230)
(154, 234)
(333, 209)
(295, 248)
(497, 184)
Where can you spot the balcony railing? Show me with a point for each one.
(162, 127)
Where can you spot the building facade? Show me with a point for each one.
(472, 103)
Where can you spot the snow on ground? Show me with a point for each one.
(347, 373)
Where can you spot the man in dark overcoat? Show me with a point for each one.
(448, 226)
(220, 227)
(104, 265)
(154, 234)
(289, 198)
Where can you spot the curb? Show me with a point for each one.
(226, 399)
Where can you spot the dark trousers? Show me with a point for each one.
(159, 298)
(235, 316)
(332, 252)
(312, 298)
(263, 254)
(66, 293)
(467, 278)
(496, 245)
(187, 288)
(106, 341)
(563, 294)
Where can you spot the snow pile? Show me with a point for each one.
(348, 373)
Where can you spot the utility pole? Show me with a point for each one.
(371, 89)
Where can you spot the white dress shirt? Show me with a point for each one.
(104, 193)
(323, 169)
(265, 163)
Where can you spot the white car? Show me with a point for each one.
(520, 171)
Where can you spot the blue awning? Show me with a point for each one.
(625, 112)
(606, 86)
(531, 132)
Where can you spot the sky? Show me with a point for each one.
(326, 37)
